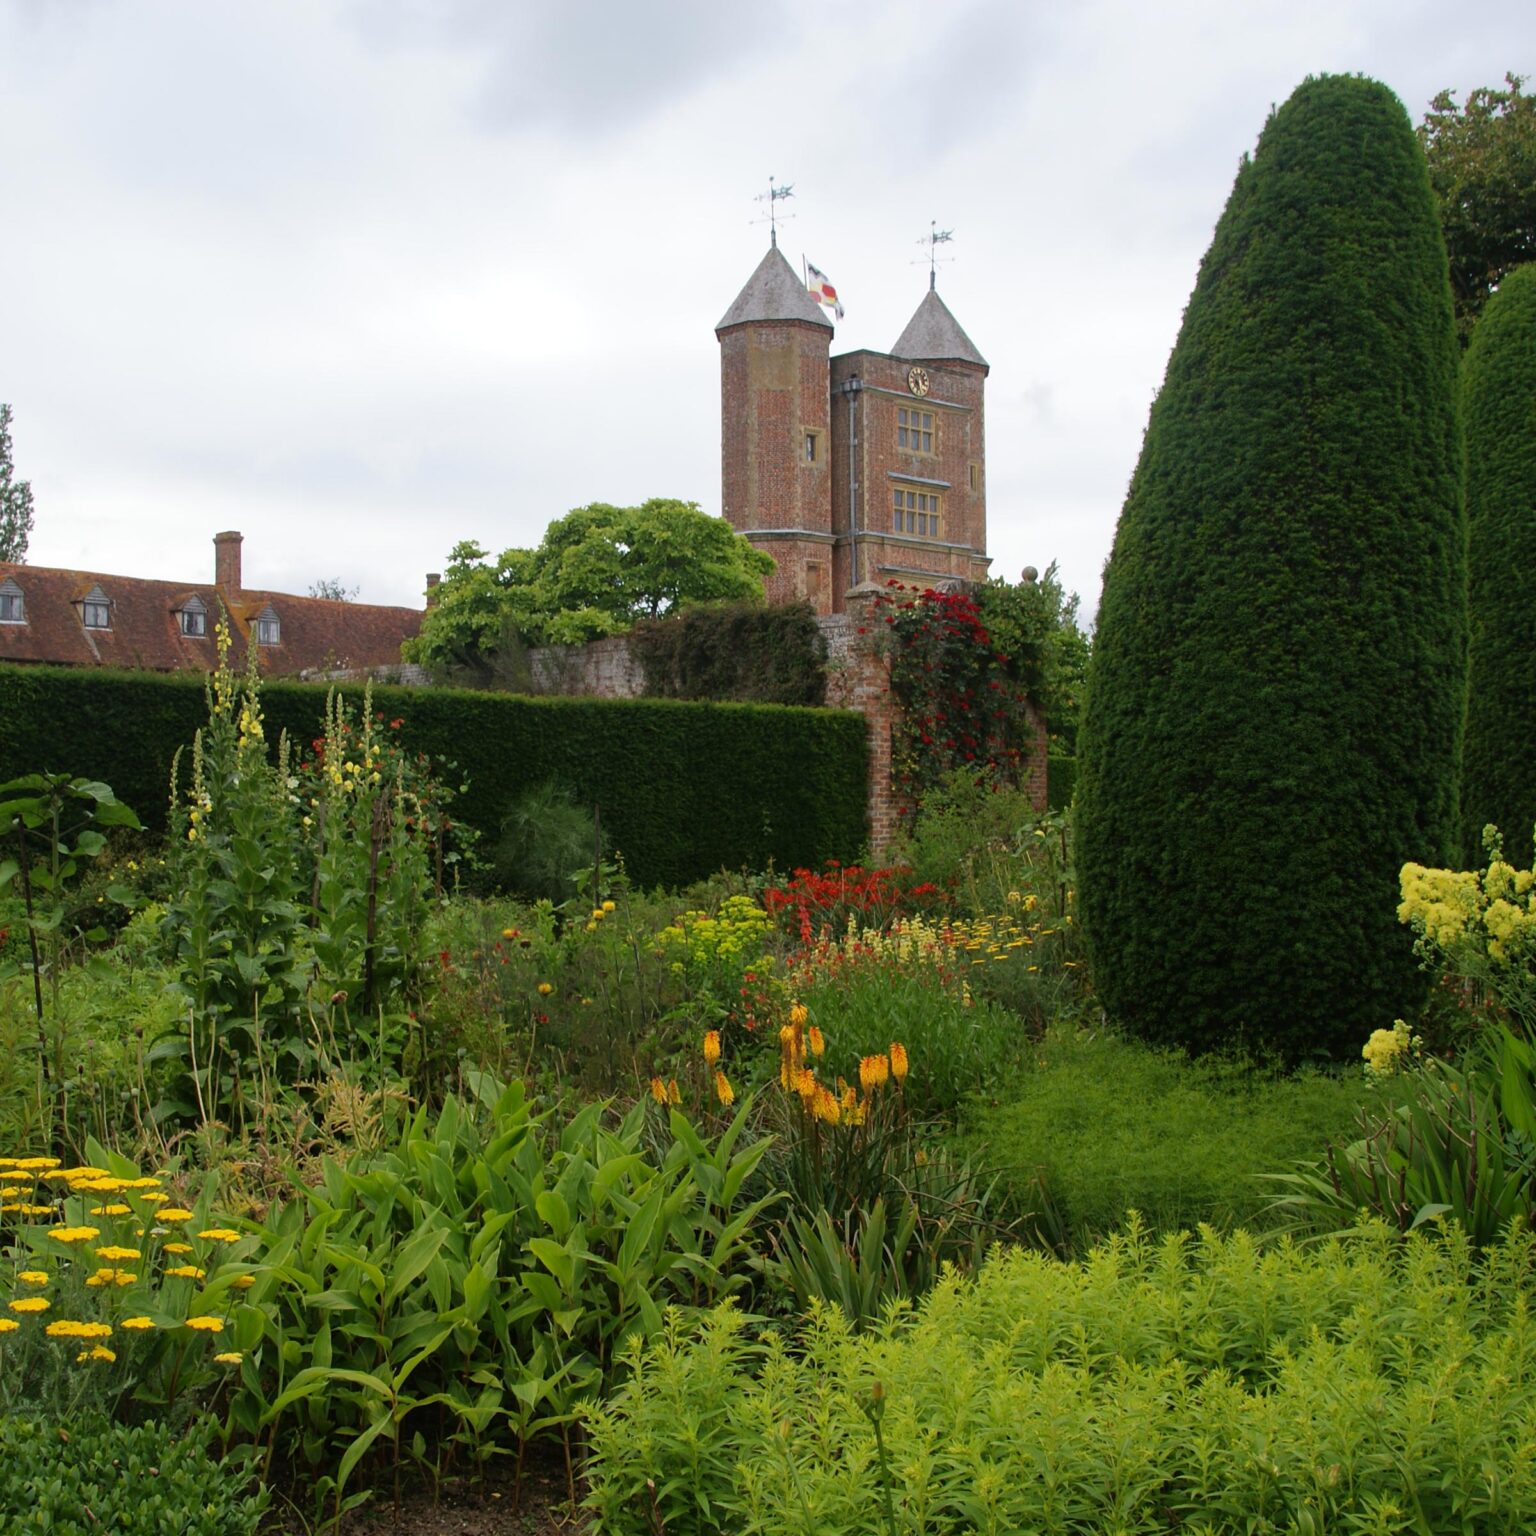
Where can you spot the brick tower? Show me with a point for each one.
(866, 467)
(775, 444)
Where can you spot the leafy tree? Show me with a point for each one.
(597, 571)
(1499, 407)
(334, 588)
(1035, 624)
(1271, 726)
(15, 499)
(1482, 166)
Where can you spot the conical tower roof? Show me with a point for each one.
(774, 292)
(934, 335)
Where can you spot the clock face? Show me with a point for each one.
(917, 380)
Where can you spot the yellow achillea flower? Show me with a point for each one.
(723, 1090)
(220, 1235)
(34, 1164)
(243, 1282)
(30, 1304)
(111, 1210)
(229, 1357)
(97, 1352)
(111, 1277)
(8, 1325)
(65, 1329)
(173, 1213)
(34, 1276)
(898, 1061)
(186, 1272)
(206, 1324)
(711, 1047)
(138, 1323)
(118, 1255)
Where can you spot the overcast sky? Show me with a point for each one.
(362, 278)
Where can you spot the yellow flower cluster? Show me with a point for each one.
(134, 1224)
(1492, 910)
(1385, 1051)
(607, 909)
(736, 934)
(799, 1040)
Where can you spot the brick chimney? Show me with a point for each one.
(433, 579)
(226, 562)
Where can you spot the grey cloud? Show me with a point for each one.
(584, 67)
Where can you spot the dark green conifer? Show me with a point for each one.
(1499, 406)
(1273, 709)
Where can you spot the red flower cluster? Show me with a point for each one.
(960, 707)
(875, 896)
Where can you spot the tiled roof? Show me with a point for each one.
(934, 336)
(774, 292)
(315, 633)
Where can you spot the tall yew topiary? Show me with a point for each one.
(1273, 711)
(1499, 406)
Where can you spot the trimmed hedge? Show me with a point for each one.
(1273, 713)
(1060, 780)
(1499, 402)
(684, 789)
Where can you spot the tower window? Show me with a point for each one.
(975, 478)
(915, 512)
(810, 447)
(914, 429)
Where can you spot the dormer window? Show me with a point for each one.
(193, 617)
(13, 607)
(268, 630)
(96, 610)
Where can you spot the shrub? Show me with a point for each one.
(683, 788)
(1109, 1126)
(146, 1480)
(739, 651)
(1272, 718)
(1499, 401)
(1193, 1384)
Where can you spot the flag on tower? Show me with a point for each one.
(821, 290)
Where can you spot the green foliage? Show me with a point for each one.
(598, 569)
(1452, 1152)
(1482, 166)
(54, 824)
(1499, 405)
(1109, 1126)
(1035, 625)
(465, 1290)
(92, 1476)
(1272, 721)
(683, 788)
(740, 651)
(1196, 1384)
(15, 499)
(546, 837)
(1060, 781)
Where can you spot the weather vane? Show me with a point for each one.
(933, 240)
(773, 196)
